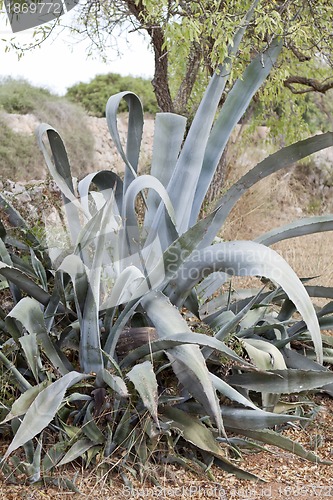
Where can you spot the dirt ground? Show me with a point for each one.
(283, 474)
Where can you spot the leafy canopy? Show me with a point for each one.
(190, 38)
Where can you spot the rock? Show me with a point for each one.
(21, 124)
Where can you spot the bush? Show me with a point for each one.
(18, 96)
(19, 154)
(93, 96)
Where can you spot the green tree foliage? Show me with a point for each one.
(93, 95)
(190, 38)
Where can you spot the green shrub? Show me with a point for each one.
(18, 96)
(19, 156)
(93, 95)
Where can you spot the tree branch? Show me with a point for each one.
(311, 85)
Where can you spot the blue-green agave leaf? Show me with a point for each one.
(76, 451)
(200, 436)
(168, 137)
(144, 380)
(282, 381)
(297, 228)
(236, 104)
(247, 258)
(134, 134)
(274, 438)
(273, 163)
(187, 360)
(43, 410)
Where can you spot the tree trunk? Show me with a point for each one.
(160, 81)
(215, 189)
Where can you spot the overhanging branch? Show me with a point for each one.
(309, 84)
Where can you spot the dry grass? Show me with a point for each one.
(277, 200)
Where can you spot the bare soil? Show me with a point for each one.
(282, 474)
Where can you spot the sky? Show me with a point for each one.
(60, 63)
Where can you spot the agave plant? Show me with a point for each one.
(93, 281)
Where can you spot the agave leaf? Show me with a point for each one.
(264, 355)
(188, 362)
(144, 380)
(4, 255)
(23, 282)
(23, 384)
(173, 340)
(244, 443)
(31, 468)
(43, 410)
(247, 258)
(282, 381)
(226, 390)
(145, 182)
(122, 431)
(242, 418)
(285, 406)
(299, 361)
(61, 173)
(273, 163)
(31, 351)
(39, 269)
(297, 228)
(116, 383)
(134, 133)
(210, 285)
(76, 451)
(23, 403)
(91, 358)
(271, 437)
(236, 104)
(174, 256)
(131, 236)
(107, 182)
(168, 136)
(200, 436)
(91, 429)
(53, 455)
(30, 315)
(190, 368)
(189, 164)
(119, 325)
(125, 287)
(74, 267)
(88, 300)
(227, 322)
